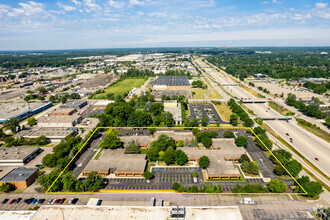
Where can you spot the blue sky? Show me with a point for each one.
(75, 24)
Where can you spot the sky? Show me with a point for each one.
(79, 24)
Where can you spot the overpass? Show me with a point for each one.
(254, 100)
(277, 118)
(229, 84)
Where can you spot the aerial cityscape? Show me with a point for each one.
(152, 109)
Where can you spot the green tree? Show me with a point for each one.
(168, 119)
(2, 134)
(12, 124)
(180, 143)
(229, 134)
(248, 122)
(258, 130)
(204, 162)
(169, 157)
(204, 121)
(180, 157)
(93, 182)
(241, 141)
(111, 140)
(175, 186)
(6, 187)
(279, 170)
(194, 142)
(156, 108)
(277, 186)
(42, 90)
(327, 121)
(294, 167)
(250, 167)
(69, 182)
(132, 148)
(31, 121)
(282, 155)
(147, 175)
(312, 188)
(152, 154)
(233, 119)
(207, 141)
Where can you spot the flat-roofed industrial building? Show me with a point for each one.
(77, 104)
(115, 161)
(20, 177)
(64, 121)
(18, 156)
(21, 110)
(53, 134)
(180, 82)
(222, 160)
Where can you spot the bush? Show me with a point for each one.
(243, 158)
(180, 157)
(229, 134)
(250, 167)
(147, 175)
(6, 187)
(195, 174)
(175, 186)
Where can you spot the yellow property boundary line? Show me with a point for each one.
(168, 191)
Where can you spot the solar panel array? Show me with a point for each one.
(172, 81)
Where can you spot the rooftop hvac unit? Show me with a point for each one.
(21, 174)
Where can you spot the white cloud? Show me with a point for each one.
(264, 2)
(66, 7)
(276, 2)
(301, 16)
(28, 9)
(116, 4)
(136, 2)
(4, 9)
(76, 2)
(321, 5)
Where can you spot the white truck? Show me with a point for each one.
(247, 201)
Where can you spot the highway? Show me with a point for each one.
(307, 144)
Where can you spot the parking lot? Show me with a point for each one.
(197, 110)
(164, 177)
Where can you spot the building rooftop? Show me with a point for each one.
(12, 109)
(172, 80)
(46, 131)
(74, 104)
(118, 161)
(135, 212)
(218, 164)
(63, 111)
(142, 140)
(19, 174)
(176, 135)
(58, 118)
(15, 153)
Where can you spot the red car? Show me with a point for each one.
(317, 159)
(12, 201)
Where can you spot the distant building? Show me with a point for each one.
(20, 177)
(171, 83)
(63, 111)
(51, 133)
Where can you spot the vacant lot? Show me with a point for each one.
(121, 87)
(224, 111)
(210, 93)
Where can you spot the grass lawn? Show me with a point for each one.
(121, 87)
(251, 91)
(214, 94)
(313, 129)
(279, 108)
(224, 111)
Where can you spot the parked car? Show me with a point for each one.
(34, 201)
(287, 134)
(317, 159)
(41, 201)
(53, 201)
(49, 202)
(61, 201)
(74, 201)
(18, 200)
(12, 201)
(28, 201)
(57, 201)
(5, 201)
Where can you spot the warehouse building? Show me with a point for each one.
(63, 111)
(53, 134)
(18, 156)
(77, 104)
(171, 83)
(21, 110)
(59, 121)
(20, 177)
(118, 163)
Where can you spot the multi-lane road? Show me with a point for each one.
(313, 148)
